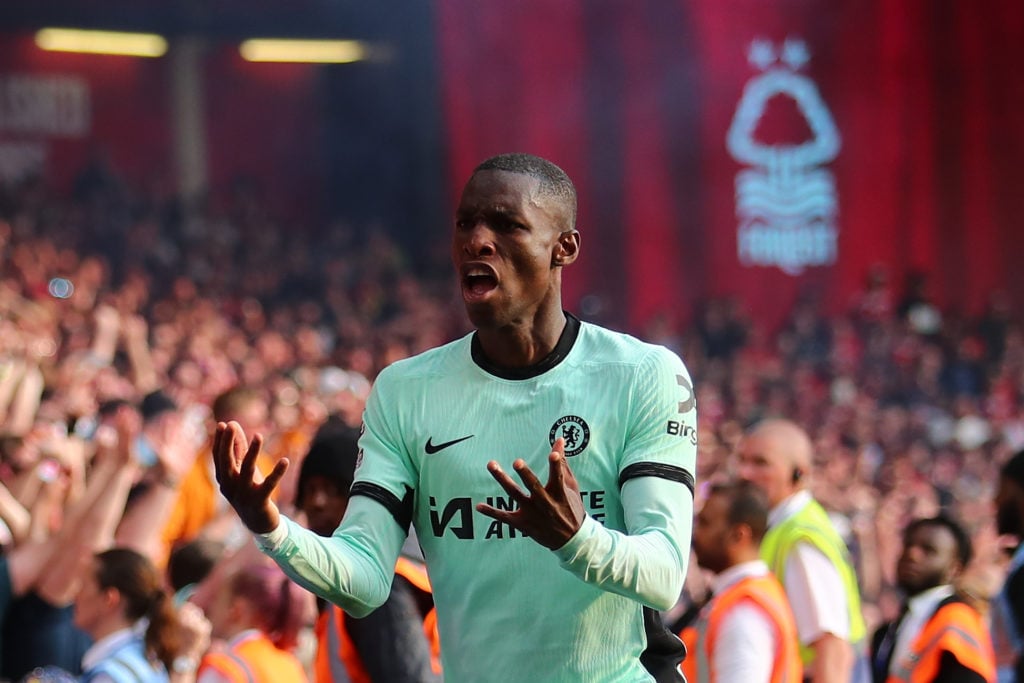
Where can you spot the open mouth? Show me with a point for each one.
(478, 282)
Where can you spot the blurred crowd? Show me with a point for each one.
(912, 411)
(130, 325)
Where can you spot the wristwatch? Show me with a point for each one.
(184, 665)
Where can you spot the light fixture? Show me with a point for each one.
(306, 51)
(101, 42)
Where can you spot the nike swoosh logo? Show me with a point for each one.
(430, 448)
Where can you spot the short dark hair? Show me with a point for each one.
(155, 403)
(748, 505)
(553, 180)
(964, 548)
(231, 401)
(193, 561)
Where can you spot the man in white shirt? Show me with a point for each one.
(805, 552)
(746, 632)
(939, 637)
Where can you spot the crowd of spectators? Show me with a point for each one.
(912, 411)
(124, 318)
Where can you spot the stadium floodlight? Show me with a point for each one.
(101, 42)
(303, 51)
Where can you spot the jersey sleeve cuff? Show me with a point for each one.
(577, 546)
(273, 539)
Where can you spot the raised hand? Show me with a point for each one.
(195, 632)
(134, 329)
(127, 426)
(176, 446)
(108, 320)
(550, 514)
(241, 482)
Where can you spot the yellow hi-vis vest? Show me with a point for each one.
(812, 525)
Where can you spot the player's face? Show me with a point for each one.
(762, 465)
(710, 533)
(929, 559)
(504, 248)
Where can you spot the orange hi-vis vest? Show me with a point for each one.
(957, 628)
(336, 656)
(764, 592)
(254, 660)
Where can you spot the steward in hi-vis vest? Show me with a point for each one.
(745, 633)
(811, 525)
(939, 637)
(251, 657)
(806, 553)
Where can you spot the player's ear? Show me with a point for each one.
(567, 248)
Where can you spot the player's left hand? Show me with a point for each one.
(550, 514)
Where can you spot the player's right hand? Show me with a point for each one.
(241, 483)
(549, 513)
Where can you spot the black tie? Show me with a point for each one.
(883, 654)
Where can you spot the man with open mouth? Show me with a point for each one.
(534, 580)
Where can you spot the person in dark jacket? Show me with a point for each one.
(390, 644)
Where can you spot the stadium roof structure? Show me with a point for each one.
(225, 19)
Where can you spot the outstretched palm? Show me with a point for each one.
(241, 483)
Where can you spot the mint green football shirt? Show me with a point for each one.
(508, 608)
